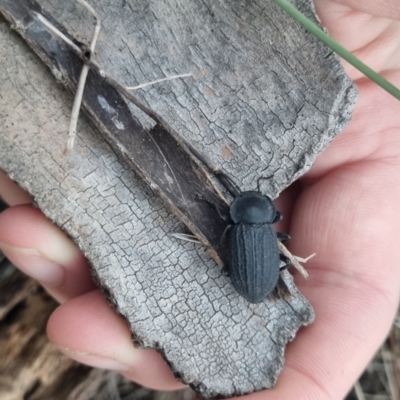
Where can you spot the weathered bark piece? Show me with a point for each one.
(184, 184)
(254, 107)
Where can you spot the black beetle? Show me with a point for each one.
(254, 258)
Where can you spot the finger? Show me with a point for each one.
(383, 8)
(41, 250)
(89, 331)
(11, 193)
(368, 29)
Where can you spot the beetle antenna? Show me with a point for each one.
(224, 179)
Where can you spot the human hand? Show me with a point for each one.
(84, 327)
(346, 211)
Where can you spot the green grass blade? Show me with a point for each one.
(337, 48)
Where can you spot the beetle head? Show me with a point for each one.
(252, 208)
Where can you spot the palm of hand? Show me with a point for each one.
(347, 212)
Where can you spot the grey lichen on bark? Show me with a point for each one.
(265, 99)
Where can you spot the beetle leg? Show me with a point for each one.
(283, 237)
(286, 260)
(225, 232)
(281, 291)
(278, 217)
(216, 207)
(222, 216)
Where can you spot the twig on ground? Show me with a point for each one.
(359, 392)
(387, 358)
(395, 359)
(397, 321)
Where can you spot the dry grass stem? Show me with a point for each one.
(304, 260)
(185, 236)
(119, 86)
(359, 392)
(53, 29)
(295, 260)
(169, 78)
(92, 64)
(82, 81)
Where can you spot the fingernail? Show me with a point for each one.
(95, 360)
(31, 262)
